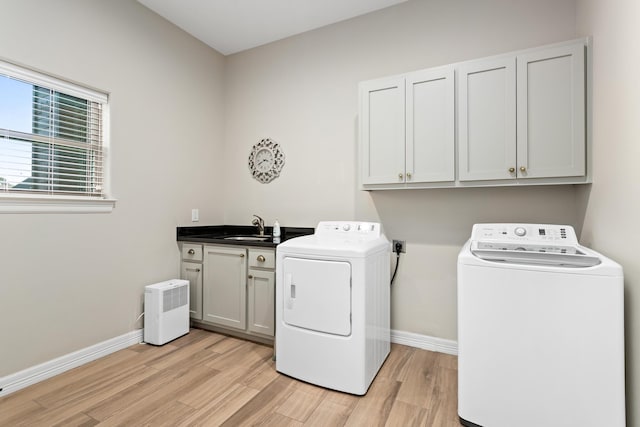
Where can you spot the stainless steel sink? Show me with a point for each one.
(249, 238)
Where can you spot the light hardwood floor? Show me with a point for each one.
(207, 379)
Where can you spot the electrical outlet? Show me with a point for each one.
(403, 246)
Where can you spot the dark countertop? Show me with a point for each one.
(217, 233)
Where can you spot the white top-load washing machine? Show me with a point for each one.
(540, 330)
(332, 305)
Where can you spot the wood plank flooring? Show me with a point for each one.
(208, 379)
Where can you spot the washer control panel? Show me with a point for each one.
(354, 229)
(529, 233)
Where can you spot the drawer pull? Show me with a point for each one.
(191, 252)
(250, 276)
(261, 258)
(241, 255)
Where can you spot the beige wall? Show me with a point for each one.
(611, 206)
(302, 92)
(71, 281)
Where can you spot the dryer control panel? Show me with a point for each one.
(525, 233)
(364, 230)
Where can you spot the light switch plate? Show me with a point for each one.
(195, 215)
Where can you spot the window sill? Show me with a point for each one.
(24, 204)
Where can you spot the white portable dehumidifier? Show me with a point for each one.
(166, 311)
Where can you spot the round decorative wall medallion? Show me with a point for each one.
(266, 160)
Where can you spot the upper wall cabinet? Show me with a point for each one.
(523, 116)
(551, 113)
(382, 131)
(487, 119)
(407, 128)
(430, 126)
(516, 119)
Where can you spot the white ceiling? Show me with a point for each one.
(231, 26)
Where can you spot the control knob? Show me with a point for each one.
(520, 231)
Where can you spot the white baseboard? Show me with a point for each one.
(34, 374)
(424, 342)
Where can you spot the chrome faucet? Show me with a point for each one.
(258, 222)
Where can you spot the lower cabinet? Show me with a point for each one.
(260, 302)
(224, 289)
(193, 273)
(232, 288)
(191, 270)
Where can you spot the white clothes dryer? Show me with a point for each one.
(332, 305)
(540, 330)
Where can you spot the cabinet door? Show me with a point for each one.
(551, 112)
(487, 120)
(382, 128)
(261, 302)
(224, 286)
(430, 149)
(193, 273)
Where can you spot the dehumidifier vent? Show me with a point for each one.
(175, 297)
(166, 307)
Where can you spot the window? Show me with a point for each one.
(52, 140)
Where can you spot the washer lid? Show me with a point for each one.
(552, 255)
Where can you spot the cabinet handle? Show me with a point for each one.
(512, 170)
(523, 169)
(191, 252)
(250, 276)
(261, 258)
(400, 175)
(241, 255)
(408, 175)
(197, 270)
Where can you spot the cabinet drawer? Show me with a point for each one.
(191, 252)
(262, 258)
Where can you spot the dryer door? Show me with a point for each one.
(317, 295)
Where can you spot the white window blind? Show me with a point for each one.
(51, 136)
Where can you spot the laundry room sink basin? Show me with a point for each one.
(249, 238)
